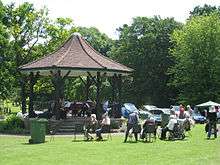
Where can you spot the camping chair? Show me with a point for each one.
(79, 129)
(107, 130)
(150, 132)
(135, 129)
(53, 131)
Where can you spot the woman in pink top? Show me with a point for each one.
(182, 112)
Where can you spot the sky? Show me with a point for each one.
(108, 15)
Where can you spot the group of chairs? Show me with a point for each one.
(78, 129)
(149, 132)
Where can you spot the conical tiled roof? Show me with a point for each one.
(77, 56)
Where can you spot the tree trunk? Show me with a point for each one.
(119, 89)
(23, 96)
(31, 96)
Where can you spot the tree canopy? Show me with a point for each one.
(144, 46)
(172, 61)
(197, 53)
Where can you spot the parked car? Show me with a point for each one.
(148, 107)
(158, 114)
(218, 117)
(198, 118)
(146, 115)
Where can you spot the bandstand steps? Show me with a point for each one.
(65, 130)
(68, 125)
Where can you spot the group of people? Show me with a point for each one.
(81, 109)
(133, 124)
(180, 120)
(97, 127)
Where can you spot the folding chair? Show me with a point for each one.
(150, 132)
(53, 131)
(108, 131)
(79, 129)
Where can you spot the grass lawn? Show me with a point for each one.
(195, 150)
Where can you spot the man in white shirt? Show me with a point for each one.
(169, 127)
(105, 123)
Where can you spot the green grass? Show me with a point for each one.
(195, 150)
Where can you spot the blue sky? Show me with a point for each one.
(111, 14)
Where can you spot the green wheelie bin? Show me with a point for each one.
(37, 130)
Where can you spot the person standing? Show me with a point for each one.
(182, 112)
(132, 123)
(212, 121)
(190, 110)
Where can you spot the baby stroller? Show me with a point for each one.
(177, 133)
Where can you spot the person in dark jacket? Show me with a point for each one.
(132, 123)
(212, 121)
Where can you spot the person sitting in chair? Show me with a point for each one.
(169, 127)
(105, 123)
(92, 125)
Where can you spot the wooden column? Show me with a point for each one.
(113, 84)
(119, 89)
(31, 95)
(33, 80)
(58, 82)
(98, 86)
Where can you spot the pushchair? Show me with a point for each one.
(177, 133)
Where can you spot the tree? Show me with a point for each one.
(5, 77)
(144, 46)
(100, 41)
(197, 54)
(205, 10)
(25, 27)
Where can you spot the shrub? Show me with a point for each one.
(12, 124)
(13, 121)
